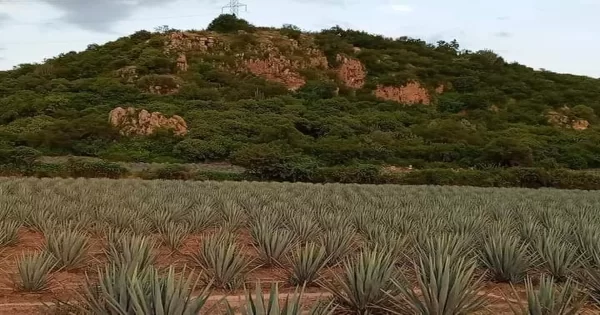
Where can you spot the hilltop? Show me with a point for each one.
(284, 103)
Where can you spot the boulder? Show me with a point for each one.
(132, 121)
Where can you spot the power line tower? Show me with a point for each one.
(234, 7)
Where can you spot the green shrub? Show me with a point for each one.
(82, 168)
(173, 171)
(228, 23)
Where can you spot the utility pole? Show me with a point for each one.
(234, 7)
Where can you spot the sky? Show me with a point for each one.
(555, 35)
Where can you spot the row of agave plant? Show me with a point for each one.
(369, 283)
(503, 234)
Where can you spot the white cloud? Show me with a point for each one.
(401, 8)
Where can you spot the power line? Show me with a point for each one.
(102, 21)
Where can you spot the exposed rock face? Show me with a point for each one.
(440, 89)
(186, 41)
(411, 93)
(351, 71)
(580, 124)
(276, 69)
(562, 118)
(267, 54)
(163, 84)
(131, 121)
(128, 74)
(182, 63)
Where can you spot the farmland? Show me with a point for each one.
(357, 248)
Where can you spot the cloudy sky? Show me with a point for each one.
(557, 35)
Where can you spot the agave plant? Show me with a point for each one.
(337, 243)
(125, 290)
(68, 247)
(273, 244)
(292, 305)
(34, 270)
(306, 263)
(173, 234)
(221, 258)
(550, 299)
(9, 233)
(529, 229)
(130, 250)
(590, 278)
(559, 258)
(201, 218)
(446, 244)
(387, 241)
(364, 284)
(505, 258)
(446, 285)
(304, 228)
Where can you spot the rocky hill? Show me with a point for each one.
(284, 102)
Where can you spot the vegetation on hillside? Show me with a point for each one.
(491, 113)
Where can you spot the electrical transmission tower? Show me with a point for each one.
(234, 7)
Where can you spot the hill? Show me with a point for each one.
(285, 103)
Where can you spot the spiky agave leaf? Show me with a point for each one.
(306, 263)
(446, 285)
(447, 245)
(304, 228)
(387, 240)
(9, 233)
(588, 243)
(590, 278)
(201, 218)
(34, 270)
(362, 286)
(505, 257)
(222, 259)
(558, 257)
(121, 289)
(292, 305)
(173, 234)
(337, 243)
(69, 247)
(550, 299)
(131, 250)
(529, 229)
(274, 244)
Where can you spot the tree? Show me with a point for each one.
(507, 151)
(229, 23)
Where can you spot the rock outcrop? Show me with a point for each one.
(276, 69)
(178, 42)
(128, 74)
(563, 118)
(266, 54)
(132, 121)
(410, 93)
(182, 63)
(580, 124)
(162, 84)
(440, 89)
(351, 71)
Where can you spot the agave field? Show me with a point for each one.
(95, 246)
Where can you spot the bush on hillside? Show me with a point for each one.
(229, 23)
